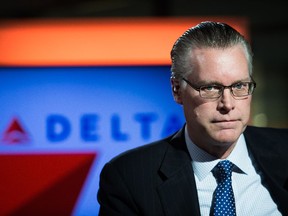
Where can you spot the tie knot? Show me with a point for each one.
(224, 170)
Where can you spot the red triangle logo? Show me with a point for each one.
(15, 133)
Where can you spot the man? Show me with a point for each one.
(212, 80)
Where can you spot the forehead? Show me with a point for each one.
(220, 64)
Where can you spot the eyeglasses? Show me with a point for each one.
(213, 91)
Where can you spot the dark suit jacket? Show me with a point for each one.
(158, 179)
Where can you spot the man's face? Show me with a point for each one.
(215, 123)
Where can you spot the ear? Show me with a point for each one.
(176, 90)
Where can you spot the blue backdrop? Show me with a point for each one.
(105, 110)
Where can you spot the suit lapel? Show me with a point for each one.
(178, 192)
(264, 151)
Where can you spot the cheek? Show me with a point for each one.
(246, 110)
(203, 111)
(244, 106)
(198, 111)
(195, 107)
(190, 109)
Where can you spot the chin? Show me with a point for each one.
(227, 136)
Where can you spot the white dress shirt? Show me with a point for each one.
(251, 197)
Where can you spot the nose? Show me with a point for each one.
(226, 101)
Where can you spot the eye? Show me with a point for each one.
(240, 86)
(210, 88)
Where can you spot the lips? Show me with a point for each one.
(225, 123)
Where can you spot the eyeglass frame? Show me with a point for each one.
(223, 87)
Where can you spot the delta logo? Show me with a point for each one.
(40, 183)
(15, 133)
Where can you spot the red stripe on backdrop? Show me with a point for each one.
(42, 183)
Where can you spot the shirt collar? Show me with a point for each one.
(203, 162)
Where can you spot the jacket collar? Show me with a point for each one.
(178, 191)
(266, 153)
(263, 150)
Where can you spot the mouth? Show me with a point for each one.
(220, 121)
(225, 123)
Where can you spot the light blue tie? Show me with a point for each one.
(224, 203)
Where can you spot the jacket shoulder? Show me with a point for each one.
(267, 132)
(152, 151)
(267, 140)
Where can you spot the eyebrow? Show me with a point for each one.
(204, 82)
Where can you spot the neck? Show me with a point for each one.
(219, 151)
